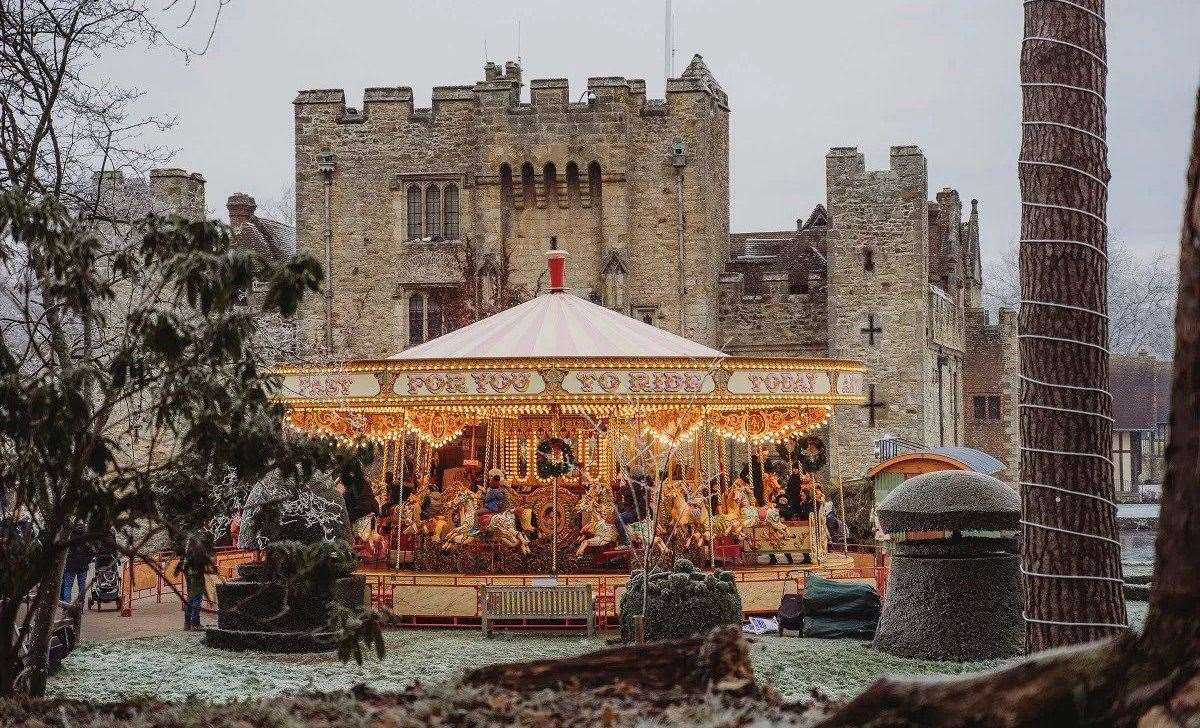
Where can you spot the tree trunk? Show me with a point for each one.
(1066, 428)
(719, 661)
(1173, 626)
(44, 606)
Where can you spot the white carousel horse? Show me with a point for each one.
(751, 514)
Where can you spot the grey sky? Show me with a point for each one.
(801, 76)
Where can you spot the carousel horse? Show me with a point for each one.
(594, 509)
(598, 513)
(472, 524)
(690, 515)
(746, 509)
(432, 527)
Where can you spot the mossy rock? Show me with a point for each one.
(681, 602)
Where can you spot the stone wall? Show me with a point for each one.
(992, 368)
(773, 322)
(599, 175)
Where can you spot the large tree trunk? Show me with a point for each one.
(1071, 557)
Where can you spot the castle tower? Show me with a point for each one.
(877, 284)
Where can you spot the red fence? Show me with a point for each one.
(143, 580)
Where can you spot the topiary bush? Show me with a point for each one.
(682, 602)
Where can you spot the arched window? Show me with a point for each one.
(450, 218)
(416, 318)
(506, 185)
(414, 212)
(550, 179)
(595, 186)
(572, 184)
(506, 200)
(528, 186)
(433, 203)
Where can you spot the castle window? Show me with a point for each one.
(550, 179)
(645, 314)
(572, 184)
(506, 200)
(425, 317)
(595, 185)
(987, 407)
(416, 319)
(797, 284)
(528, 186)
(433, 202)
(613, 282)
(868, 260)
(450, 218)
(434, 323)
(506, 185)
(414, 212)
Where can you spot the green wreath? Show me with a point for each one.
(812, 453)
(554, 458)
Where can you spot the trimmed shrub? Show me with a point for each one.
(681, 602)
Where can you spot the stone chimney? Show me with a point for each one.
(241, 208)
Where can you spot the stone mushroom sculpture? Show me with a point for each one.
(955, 588)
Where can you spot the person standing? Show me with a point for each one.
(79, 561)
(196, 564)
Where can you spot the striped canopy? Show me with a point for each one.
(558, 325)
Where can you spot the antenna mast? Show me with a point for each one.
(668, 46)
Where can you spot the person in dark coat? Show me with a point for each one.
(794, 491)
(196, 564)
(79, 561)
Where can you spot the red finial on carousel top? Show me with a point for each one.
(556, 261)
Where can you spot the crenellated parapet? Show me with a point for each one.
(500, 92)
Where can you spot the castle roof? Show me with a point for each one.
(559, 325)
(271, 239)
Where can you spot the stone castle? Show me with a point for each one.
(637, 190)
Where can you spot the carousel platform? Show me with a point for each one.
(427, 599)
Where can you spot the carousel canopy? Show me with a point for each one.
(558, 325)
(561, 354)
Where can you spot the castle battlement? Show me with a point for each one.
(500, 91)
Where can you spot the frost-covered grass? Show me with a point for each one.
(172, 667)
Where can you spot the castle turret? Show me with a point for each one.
(972, 267)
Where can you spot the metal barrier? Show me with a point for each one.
(145, 579)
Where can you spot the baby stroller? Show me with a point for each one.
(106, 587)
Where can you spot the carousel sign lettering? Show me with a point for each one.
(778, 382)
(620, 381)
(323, 386)
(468, 383)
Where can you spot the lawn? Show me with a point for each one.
(172, 667)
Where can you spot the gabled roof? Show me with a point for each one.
(559, 325)
(818, 218)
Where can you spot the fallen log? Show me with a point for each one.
(718, 661)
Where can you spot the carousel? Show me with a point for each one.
(562, 438)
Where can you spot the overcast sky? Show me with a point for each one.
(802, 76)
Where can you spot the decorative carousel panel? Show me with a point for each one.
(777, 382)
(468, 383)
(635, 382)
(437, 427)
(348, 423)
(329, 385)
(767, 425)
